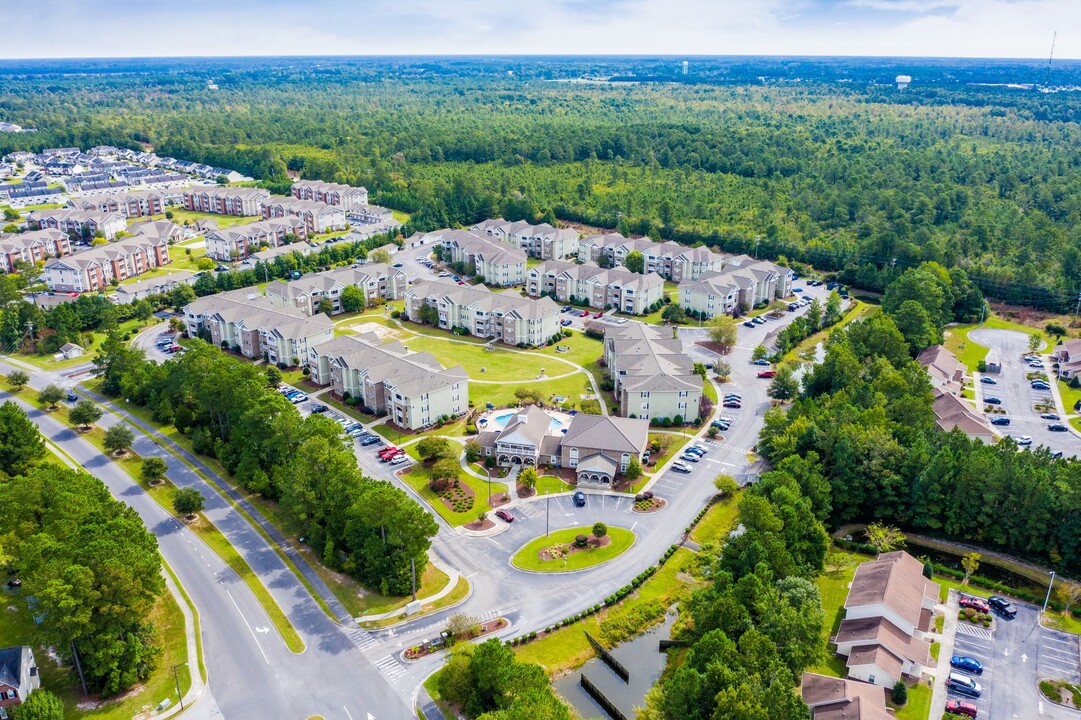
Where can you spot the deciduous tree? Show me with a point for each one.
(118, 438)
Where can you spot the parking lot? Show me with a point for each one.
(1016, 654)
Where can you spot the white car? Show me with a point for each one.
(1023, 440)
(700, 447)
(400, 459)
(689, 457)
(297, 399)
(681, 467)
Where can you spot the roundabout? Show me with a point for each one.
(572, 549)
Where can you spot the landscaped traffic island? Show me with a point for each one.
(573, 549)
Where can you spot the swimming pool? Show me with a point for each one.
(500, 421)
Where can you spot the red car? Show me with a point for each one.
(387, 451)
(390, 456)
(504, 515)
(766, 374)
(976, 603)
(961, 707)
(598, 313)
(584, 313)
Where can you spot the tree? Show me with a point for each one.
(899, 694)
(473, 451)
(462, 626)
(723, 331)
(352, 299)
(674, 314)
(761, 352)
(725, 485)
(784, 385)
(634, 469)
(722, 369)
(273, 376)
(528, 478)
(916, 326)
(51, 396)
(41, 705)
(432, 449)
(833, 309)
(188, 501)
(428, 315)
(21, 445)
(599, 530)
(1035, 342)
(1055, 329)
(142, 311)
(118, 438)
(17, 379)
(153, 469)
(635, 262)
(970, 563)
(325, 306)
(180, 296)
(379, 255)
(11, 214)
(1069, 594)
(884, 538)
(84, 414)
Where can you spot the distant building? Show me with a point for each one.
(18, 677)
(345, 196)
(903, 81)
(686, 66)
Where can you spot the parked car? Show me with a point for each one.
(988, 380)
(1002, 606)
(579, 498)
(700, 448)
(992, 400)
(72, 397)
(387, 450)
(584, 313)
(964, 685)
(966, 663)
(961, 707)
(975, 603)
(733, 396)
(689, 457)
(297, 399)
(1023, 439)
(767, 374)
(598, 313)
(369, 441)
(1000, 421)
(733, 404)
(566, 308)
(504, 515)
(1050, 416)
(681, 467)
(748, 324)
(319, 408)
(1056, 427)
(759, 320)
(565, 323)
(399, 459)
(720, 424)
(359, 432)
(761, 361)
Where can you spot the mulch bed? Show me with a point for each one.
(484, 524)
(651, 505)
(713, 347)
(418, 651)
(568, 549)
(458, 499)
(499, 499)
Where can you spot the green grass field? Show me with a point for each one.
(550, 484)
(857, 311)
(718, 520)
(498, 364)
(833, 586)
(971, 353)
(418, 477)
(1070, 396)
(528, 559)
(182, 217)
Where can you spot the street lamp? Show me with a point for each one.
(1048, 598)
(176, 677)
(547, 511)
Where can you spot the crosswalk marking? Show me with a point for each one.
(361, 638)
(974, 631)
(390, 666)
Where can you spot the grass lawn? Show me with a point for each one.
(833, 586)
(971, 353)
(718, 520)
(501, 395)
(363, 601)
(669, 445)
(182, 217)
(459, 593)
(653, 318)
(918, 706)
(567, 647)
(1070, 396)
(550, 484)
(46, 362)
(527, 558)
(418, 477)
(583, 349)
(710, 391)
(402, 217)
(1067, 622)
(498, 364)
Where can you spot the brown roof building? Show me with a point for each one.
(832, 698)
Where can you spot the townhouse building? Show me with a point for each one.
(83, 224)
(142, 289)
(167, 230)
(670, 260)
(239, 201)
(240, 241)
(271, 254)
(246, 322)
(499, 264)
(413, 389)
(1068, 356)
(98, 267)
(653, 378)
(602, 288)
(344, 196)
(133, 204)
(317, 217)
(377, 280)
(31, 247)
(831, 698)
(540, 241)
(743, 283)
(506, 317)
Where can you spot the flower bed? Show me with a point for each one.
(458, 497)
(649, 505)
(433, 646)
(975, 617)
(565, 550)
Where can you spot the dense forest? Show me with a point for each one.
(814, 160)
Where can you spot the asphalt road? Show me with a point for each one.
(1017, 395)
(252, 674)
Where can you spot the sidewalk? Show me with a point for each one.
(945, 651)
(454, 578)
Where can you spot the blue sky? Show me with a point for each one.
(108, 28)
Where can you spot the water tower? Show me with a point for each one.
(685, 66)
(903, 81)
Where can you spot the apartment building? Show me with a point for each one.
(246, 322)
(240, 241)
(31, 247)
(130, 205)
(888, 611)
(78, 223)
(743, 283)
(831, 698)
(653, 377)
(506, 317)
(540, 241)
(142, 289)
(377, 280)
(98, 267)
(344, 196)
(271, 254)
(1068, 356)
(670, 260)
(167, 230)
(317, 217)
(499, 264)
(239, 201)
(602, 288)
(414, 389)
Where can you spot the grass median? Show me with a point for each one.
(556, 544)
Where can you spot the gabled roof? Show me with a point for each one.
(895, 580)
(833, 698)
(607, 433)
(528, 426)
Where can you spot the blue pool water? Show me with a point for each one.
(500, 421)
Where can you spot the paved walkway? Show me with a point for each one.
(945, 652)
(453, 578)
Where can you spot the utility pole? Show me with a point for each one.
(1077, 308)
(413, 571)
(757, 239)
(1048, 598)
(547, 511)
(177, 679)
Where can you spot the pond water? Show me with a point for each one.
(640, 656)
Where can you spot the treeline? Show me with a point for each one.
(759, 624)
(89, 563)
(844, 176)
(366, 528)
(865, 416)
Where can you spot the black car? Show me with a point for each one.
(1000, 421)
(579, 499)
(369, 441)
(1056, 427)
(1002, 606)
(72, 397)
(991, 400)
(319, 408)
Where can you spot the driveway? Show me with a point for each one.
(1016, 393)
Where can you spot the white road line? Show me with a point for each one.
(492, 541)
(347, 712)
(635, 525)
(254, 636)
